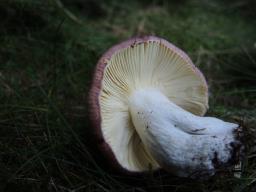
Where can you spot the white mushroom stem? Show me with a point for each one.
(180, 141)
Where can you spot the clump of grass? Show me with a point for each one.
(46, 64)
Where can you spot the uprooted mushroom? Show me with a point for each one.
(147, 101)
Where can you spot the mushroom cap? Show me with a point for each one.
(140, 62)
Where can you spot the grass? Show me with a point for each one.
(48, 52)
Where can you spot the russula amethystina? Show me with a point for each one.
(146, 103)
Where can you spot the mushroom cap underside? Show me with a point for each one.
(138, 63)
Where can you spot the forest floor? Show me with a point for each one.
(48, 51)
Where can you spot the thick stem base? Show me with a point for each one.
(183, 143)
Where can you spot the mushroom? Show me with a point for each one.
(146, 105)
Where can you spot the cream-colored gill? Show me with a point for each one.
(145, 65)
